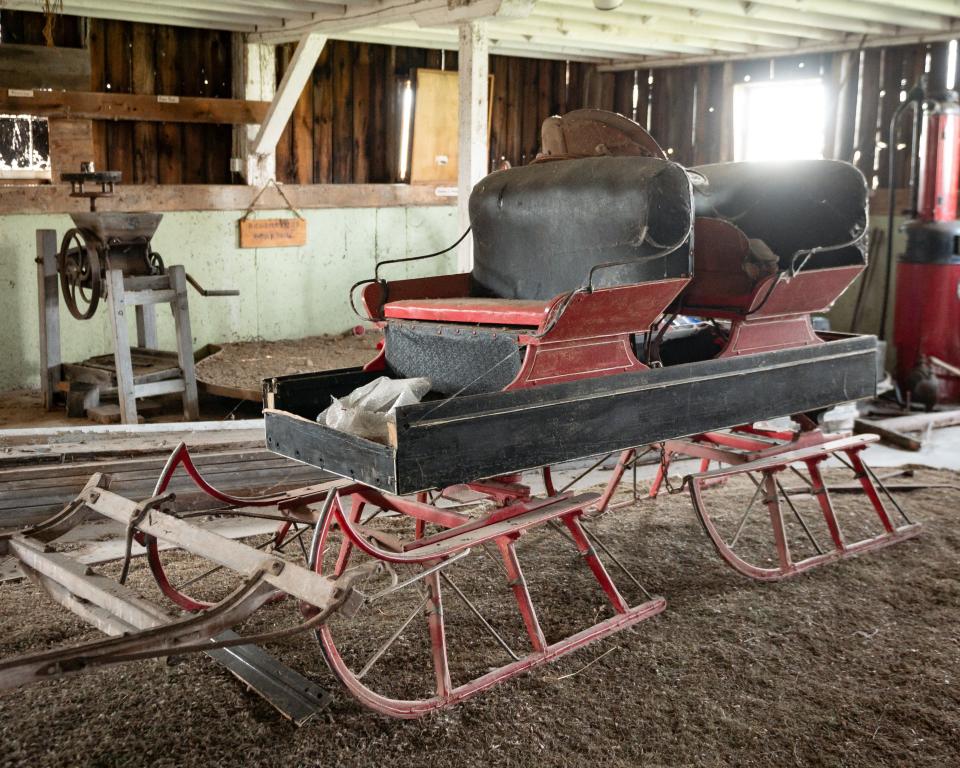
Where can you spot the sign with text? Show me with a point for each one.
(272, 233)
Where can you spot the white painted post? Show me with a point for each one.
(473, 63)
(122, 359)
(48, 287)
(259, 80)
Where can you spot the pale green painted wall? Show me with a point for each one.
(284, 292)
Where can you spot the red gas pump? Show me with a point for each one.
(927, 310)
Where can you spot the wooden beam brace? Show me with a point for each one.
(424, 12)
(294, 79)
(473, 73)
(255, 77)
(131, 106)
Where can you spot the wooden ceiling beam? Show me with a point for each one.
(545, 27)
(652, 62)
(897, 16)
(424, 12)
(631, 10)
(624, 25)
(508, 40)
(131, 106)
(754, 10)
(942, 7)
(446, 39)
(145, 14)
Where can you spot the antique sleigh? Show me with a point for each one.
(562, 343)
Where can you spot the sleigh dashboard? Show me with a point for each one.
(442, 442)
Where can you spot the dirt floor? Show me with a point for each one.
(239, 367)
(853, 664)
(243, 365)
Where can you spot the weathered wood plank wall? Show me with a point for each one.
(126, 57)
(346, 125)
(166, 61)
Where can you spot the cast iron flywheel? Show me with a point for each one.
(81, 277)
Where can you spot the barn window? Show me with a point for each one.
(24, 147)
(779, 120)
(406, 130)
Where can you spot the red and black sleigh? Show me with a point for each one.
(559, 345)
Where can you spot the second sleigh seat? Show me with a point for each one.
(775, 237)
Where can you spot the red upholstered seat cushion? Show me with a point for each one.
(481, 311)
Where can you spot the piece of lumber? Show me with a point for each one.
(361, 114)
(948, 367)
(31, 493)
(132, 106)
(857, 488)
(202, 197)
(917, 422)
(473, 124)
(38, 66)
(435, 145)
(887, 435)
(181, 322)
(342, 87)
(48, 289)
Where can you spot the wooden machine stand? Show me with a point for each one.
(134, 373)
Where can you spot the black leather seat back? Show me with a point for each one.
(539, 229)
(790, 206)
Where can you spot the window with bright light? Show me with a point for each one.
(779, 120)
(406, 124)
(24, 147)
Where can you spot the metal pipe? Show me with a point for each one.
(915, 98)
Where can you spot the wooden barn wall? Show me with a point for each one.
(357, 87)
(170, 61)
(25, 28)
(346, 125)
(128, 57)
(685, 108)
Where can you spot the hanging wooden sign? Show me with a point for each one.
(272, 233)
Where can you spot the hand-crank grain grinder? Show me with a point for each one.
(100, 241)
(107, 256)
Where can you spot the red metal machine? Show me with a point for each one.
(927, 314)
(559, 345)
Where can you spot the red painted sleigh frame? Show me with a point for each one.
(516, 512)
